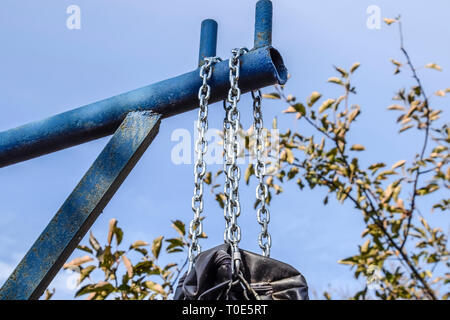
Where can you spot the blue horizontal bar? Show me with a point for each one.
(75, 217)
(259, 68)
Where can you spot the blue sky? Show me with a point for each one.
(126, 44)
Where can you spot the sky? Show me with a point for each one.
(47, 68)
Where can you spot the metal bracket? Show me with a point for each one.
(61, 236)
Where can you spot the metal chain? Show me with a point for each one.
(231, 126)
(201, 146)
(262, 213)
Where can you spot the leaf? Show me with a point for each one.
(343, 73)
(396, 107)
(156, 247)
(128, 266)
(85, 272)
(354, 67)
(86, 249)
(99, 287)
(248, 173)
(94, 243)
(155, 287)
(143, 267)
(433, 66)
(112, 226)
(272, 95)
(179, 227)
(357, 147)
(395, 62)
(326, 105)
(440, 93)
(138, 244)
(174, 243)
(77, 262)
(389, 21)
(313, 98)
(335, 80)
(398, 164)
(409, 126)
(290, 109)
(300, 108)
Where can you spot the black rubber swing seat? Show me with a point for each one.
(260, 278)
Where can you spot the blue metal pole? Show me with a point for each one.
(259, 68)
(263, 24)
(61, 236)
(208, 40)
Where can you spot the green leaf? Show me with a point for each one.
(300, 108)
(156, 247)
(99, 287)
(86, 249)
(179, 227)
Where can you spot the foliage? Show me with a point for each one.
(410, 255)
(122, 279)
(398, 241)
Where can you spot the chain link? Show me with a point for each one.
(262, 212)
(201, 146)
(232, 171)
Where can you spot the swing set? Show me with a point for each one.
(133, 120)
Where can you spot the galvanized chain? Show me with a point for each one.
(262, 213)
(231, 126)
(201, 146)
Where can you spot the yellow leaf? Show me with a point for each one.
(272, 95)
(291, 109)
(398, 164)
(433, 66)
(406, 128)
(398, 64)
(354, 67)
(335, 80)
(313, 98)
(357, 147)
(396, 107)
(138, 244)
(440, 93)
(389, 21)
(327, 104)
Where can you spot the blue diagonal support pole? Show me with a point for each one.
(54, 246)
